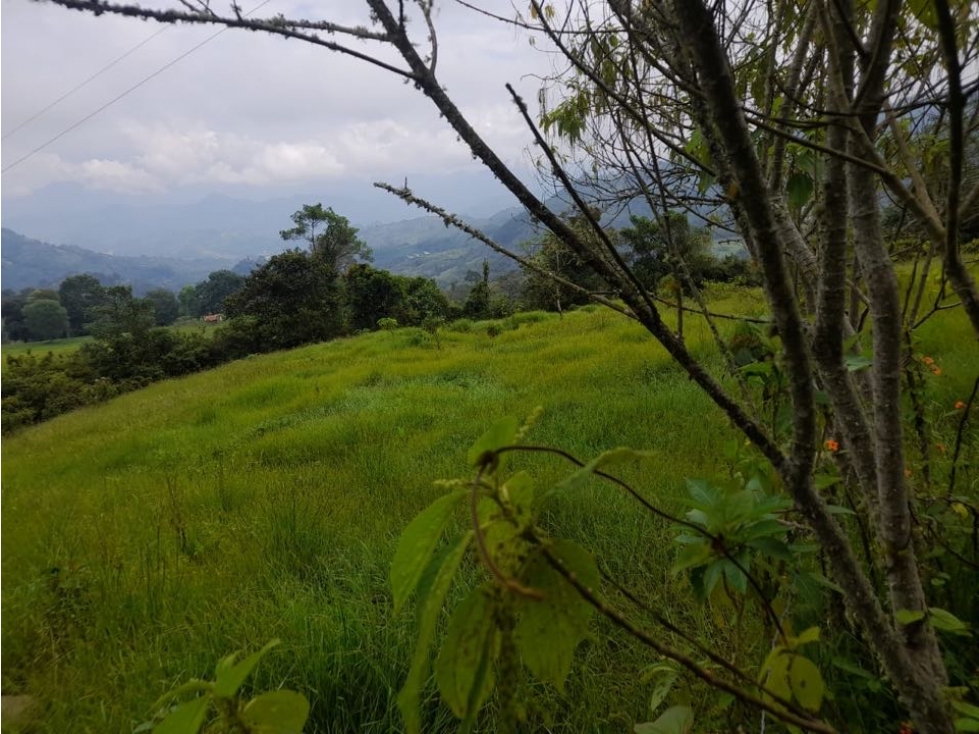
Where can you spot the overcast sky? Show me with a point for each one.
(245, 114)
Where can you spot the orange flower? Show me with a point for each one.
(832, 445)
(959, 405)
(928, 360)
(905, 728)
(936, 371)
(908, 473)
(941, 447)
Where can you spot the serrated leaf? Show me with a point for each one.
(433, 587)
(186, 718)
(946, 621)
(548, 630)
(230, 674)
(807, 683)
(907, 616)
(675, 720)
(502, 433)
(276, 712)
(464, 670)
(417, 543)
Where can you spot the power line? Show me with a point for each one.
(92, 78)
(131, 89)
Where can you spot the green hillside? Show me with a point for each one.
(145, 538)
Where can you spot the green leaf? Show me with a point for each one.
(857, 362)
(807, 683)
(772, 547)
(186, 718)
(518, 494)
(548, 630)
(502, 433)
(619, 455)
(774, 675)
(806, 636)
(276, 712)
(434, 585)
(906, 616)
(675, 720)
(966, 708)
(946, 621)
(667, 674)
(230, 674)
(924, 11)
(417, 543)
(464, 670)
(966, 725)
(702, 492)
(799, 189)
(692, 556)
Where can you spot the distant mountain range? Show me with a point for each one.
(422, 246)
(172, 245)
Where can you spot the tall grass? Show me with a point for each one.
(145, 538)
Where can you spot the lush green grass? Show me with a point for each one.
(147, 537)
(56, 345)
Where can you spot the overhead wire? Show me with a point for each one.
(90, 79)
(128, 91)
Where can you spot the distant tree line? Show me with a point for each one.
(298, 297)
(319, 292)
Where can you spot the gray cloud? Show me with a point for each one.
(245, 110)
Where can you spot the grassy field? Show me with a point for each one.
(147, 537)
(59, 346)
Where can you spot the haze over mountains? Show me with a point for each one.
(176, 243)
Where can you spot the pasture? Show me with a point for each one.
(147, 537)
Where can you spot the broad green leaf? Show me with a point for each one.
(772, 547)
(924, 11)
(702, 492)
(765, 528)
(692, 555)
(186, 718)
(518, 494)
(824, 481)
(548, 630)
(502, 433)
(675, 720)
(907, 616)
(774, 674)
(417, 543)
(735, 576)
(799, 189)
(966, 708)
(434, 585)
(276, 712)
(230, 674)
(712, 574)
(807, 683)
(966, 725)
(946, 621)
(464, 670)
(192, 686)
